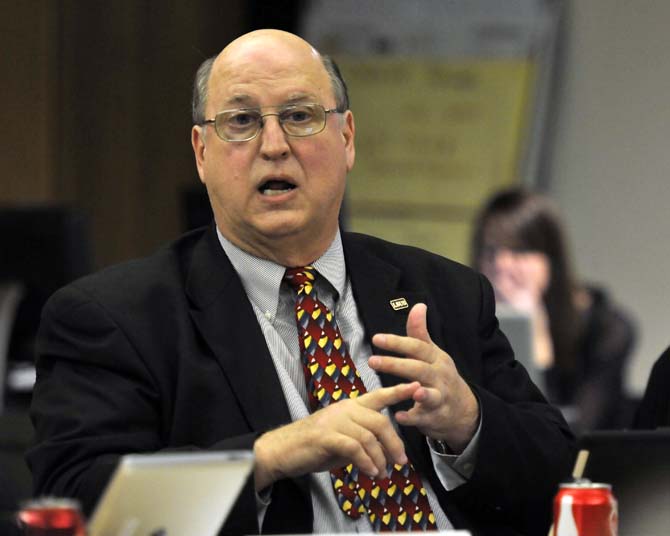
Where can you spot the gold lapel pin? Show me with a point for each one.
(399, 303)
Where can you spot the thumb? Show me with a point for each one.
(416, 323)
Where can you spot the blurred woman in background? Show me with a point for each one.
(581, 341)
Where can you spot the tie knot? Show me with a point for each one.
(300, 278)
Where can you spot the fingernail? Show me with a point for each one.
(402, 460)
(380, 338)
(374, 361)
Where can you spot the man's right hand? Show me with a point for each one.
(350, 431)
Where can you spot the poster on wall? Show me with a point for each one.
(447, 98)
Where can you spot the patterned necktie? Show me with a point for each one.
(397, 503)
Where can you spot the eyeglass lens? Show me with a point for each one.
(244, 124)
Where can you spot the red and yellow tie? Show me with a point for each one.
(397, 503)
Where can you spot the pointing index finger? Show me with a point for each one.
(382, 398)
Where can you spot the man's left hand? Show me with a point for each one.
(445, 407)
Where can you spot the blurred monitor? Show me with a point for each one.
(43, 248)
(637, 466)
(518, 328)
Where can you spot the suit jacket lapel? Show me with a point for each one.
(223, 314)
(381, 301)
(376, 283)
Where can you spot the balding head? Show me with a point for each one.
(267, 40)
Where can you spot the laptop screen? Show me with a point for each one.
(171, 494)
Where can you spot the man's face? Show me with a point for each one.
(274, 192)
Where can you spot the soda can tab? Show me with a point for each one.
(51, 516)
(584, 508)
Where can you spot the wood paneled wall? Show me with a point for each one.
(28, 73)
(96, 99)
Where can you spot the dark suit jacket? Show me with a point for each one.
(654, 409)
(165, 353)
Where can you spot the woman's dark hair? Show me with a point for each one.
(523, 220)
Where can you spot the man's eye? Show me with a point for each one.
(300, 115)
(242, 119)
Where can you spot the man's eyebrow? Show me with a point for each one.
(300, 97)
(247, 101)
(240, 100)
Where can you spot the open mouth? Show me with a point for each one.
(275, 187)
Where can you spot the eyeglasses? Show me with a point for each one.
(244, 124)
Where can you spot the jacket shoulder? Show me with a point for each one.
(409, 258)
(154, 277)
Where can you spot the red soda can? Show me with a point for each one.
(51, 516)
(585, 508)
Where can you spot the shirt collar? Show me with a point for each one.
(262, 278)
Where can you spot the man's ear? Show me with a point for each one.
(349, 133)
(199, 149)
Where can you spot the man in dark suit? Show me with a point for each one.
(654, 408)
(196, 346)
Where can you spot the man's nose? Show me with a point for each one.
(274, 143)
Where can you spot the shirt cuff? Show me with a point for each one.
(454, 470)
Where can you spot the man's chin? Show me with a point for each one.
(290, 234)
(282, 229)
